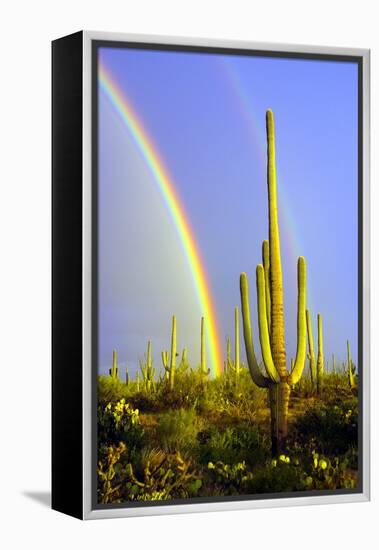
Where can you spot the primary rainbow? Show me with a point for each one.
(122, 105)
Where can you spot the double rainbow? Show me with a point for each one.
(129, 117)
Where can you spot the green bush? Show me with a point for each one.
(243, 443)
(334, 426)
(111, 389)
(177, 430)
(278, 476)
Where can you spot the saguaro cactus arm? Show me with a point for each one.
(264, 336)
(266, 267)
(297, 370)
(258, 378)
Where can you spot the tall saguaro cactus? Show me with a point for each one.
(127, 379)
(204, 372)
(320, 355)
(183, 365)
(334, 365)
(234, 366)
(148, 373)
(311, 350)
(351, 368)
(170, 363)
(113, 371)
(277, 379)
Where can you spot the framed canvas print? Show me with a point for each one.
(210, 275)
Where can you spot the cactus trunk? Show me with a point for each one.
(279, 395)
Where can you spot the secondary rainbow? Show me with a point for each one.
(122, 105)
(289, 227)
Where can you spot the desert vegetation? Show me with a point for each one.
(272, 425)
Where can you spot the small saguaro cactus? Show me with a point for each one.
(204, 372)
(126, 376)
(137, 380)
(170, 363)
(228, 361)
(311, 350)
(183, 365)
(320, 355)
(148, 373)
(351, 368)
(334, 365)
(277, 379)
(113, 371)
(234, 366)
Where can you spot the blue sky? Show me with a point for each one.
(206, 115)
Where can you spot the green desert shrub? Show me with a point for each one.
(178, 429)
(334, 426)
(277, 476)
(242, 402)
(146, 401)
(111, 389)
(242, 443)
(184, 395)
(336, 385)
